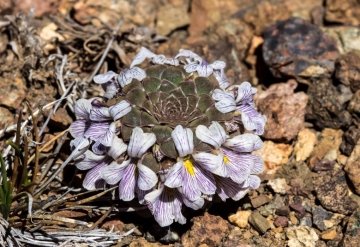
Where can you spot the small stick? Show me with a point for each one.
(102, 218)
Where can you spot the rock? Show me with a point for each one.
(6, 117)
(207, 229)
(260, 200)
(352, 167)
(350, 138)
(61, 119)
(283, 211)
(178, 15)
(164, 235)
(330, 139)
(134, 13)
(295, 48)
(274, 155)
(140, 242)
(305, 143)
(281, 221)
(278, 185)
(319, 217)
(301, 236)
(240, 218)
(206, 13)
(260, 223)
(298, 208)
(332, 193)
(354, 104)
(293, 219)
(115, 224)
(352, 233)
(328, 235)
(284, 110)
(12, 91)
(347, 37)
(343, 11)
(324, 108)
(306, 221)
(348, 70)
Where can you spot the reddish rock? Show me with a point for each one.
(61, 119)
(352, 167)
(284, 110)
(352, 234)
(295, 48)
(281, 221)
(207, 229)
(350, 138)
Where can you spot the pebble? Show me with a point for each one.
(281, 221)
(260, 223)
(283, 211)
(293, 218)
(260, 200)
(240, 218)
(163, 234)
(352, 233)
(306, 221)
(298, 208)
(6, 117)
(328, 235)
(278, 185)
(12, 91)
(352, 167)
(306, 141)
(301, 236)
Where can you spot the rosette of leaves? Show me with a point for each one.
(165, 98)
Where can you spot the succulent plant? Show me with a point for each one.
(174, 133)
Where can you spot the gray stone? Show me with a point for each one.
(259, 222)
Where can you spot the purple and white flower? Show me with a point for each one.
(96, 122)
(132, 176)
(108, 83)
(93, 162)
(240, 98)
(194, 179)
(156, 59)
(165, 204)
(232, 159)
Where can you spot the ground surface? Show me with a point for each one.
(304, 59)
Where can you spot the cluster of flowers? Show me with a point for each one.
(173, 134)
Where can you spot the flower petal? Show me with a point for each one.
(174, 177)
(258, 167)
(220, 95)
(239, 165)
(138, 73)
(78, 127)
(98, 148)
(196, 204)
(114, 172)
(191, 67)
(172, 61)
(212, 163)
(252, 119)
(189, 54)
(245, 93)
(153, 197)
(228, 188)
(100, 114)
(117, 148)
(111, 89)
(89, 160)
(218, 65)
(79, 145)
(102, 78)
(93, 179)
(244, 143)
(97, 130)
(107, 139)
(140, 142)
(141, 56)
(125, 77)
(127, 184)
(215, 135)
(120, 109)
(183, 140)
(253, 182)
(221, 78)
(82, 108)
(146, 177)
(159, 59)
(204, 70)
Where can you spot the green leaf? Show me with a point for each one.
(132, 85)
(148, 106)
(126, 132)
(168, 149)
(151, 84)
(150, 161)
(173, 74)
(132, 118)
(178, 93)
(166, 86)
(215, 115)
(162, 133)
(147, 119)
(156, 70)
(203, 85)
(200, 146)
(205, 102)
(136, 97)
(200, 121)
(188, 87)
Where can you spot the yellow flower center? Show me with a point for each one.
(189, 167)
(226, 160)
